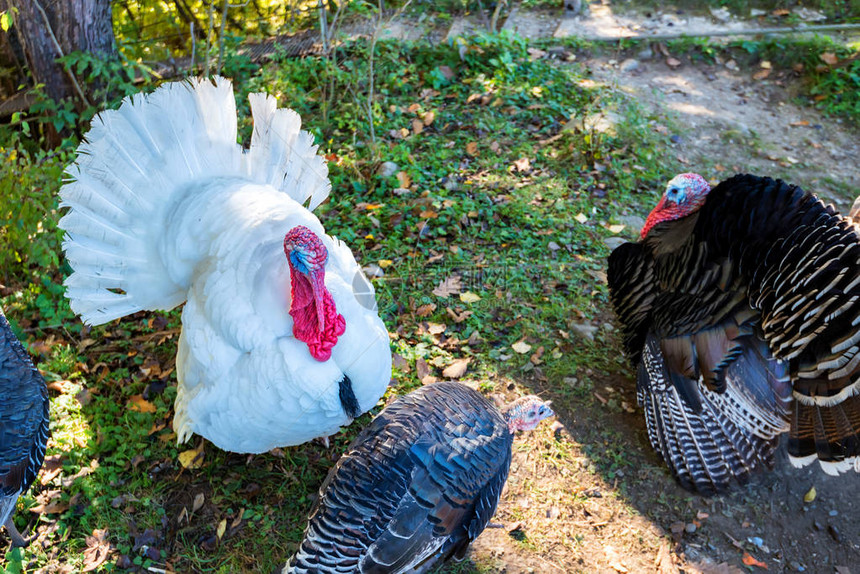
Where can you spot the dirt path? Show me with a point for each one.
(578, 518)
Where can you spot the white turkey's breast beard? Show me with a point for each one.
(245, 383)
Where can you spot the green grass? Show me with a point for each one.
(527, 240)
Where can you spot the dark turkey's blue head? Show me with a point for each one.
(526, 413)
(684, 194)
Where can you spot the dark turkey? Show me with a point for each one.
(417, 485)
(24, 421)
(740, 308)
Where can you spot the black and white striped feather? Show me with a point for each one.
(24, 423)
(413, 489)
(719, 438)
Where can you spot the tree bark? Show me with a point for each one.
(50, 29)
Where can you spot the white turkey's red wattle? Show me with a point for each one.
(316, 321)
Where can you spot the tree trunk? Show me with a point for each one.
(49, 29)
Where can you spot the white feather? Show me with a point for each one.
(165, 207)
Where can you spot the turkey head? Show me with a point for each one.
(316, 321)
(684, 194)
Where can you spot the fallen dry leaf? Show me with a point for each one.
(422, 369)
(761, 74)
(428, 118)
(417, 126)
(469, 297)
(673, 62)
(456, 369)
(404, 179)
(198, 502)
(800, 123)
(458, 317)
(810, 495)
(472, 148)
(436, 328)
(400, 363)
(97, 550)
(522, 165)
(448, 286)
(139, 404)
(425, 310)
(750, 560)
(521, 347)
(192, 459)
(222, 528)
(829, 58)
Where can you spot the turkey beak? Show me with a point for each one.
(317, 278)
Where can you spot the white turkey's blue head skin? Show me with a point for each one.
(526, 413)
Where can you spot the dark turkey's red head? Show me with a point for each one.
(316, 321)
(684, 194)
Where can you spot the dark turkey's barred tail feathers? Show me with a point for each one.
(830, 434)
(730, 435)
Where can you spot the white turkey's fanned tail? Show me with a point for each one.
(139, 160)
(284, 156)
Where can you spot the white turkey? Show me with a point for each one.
(740, 307)
(24, 425)
(417, 486)
(279, 344)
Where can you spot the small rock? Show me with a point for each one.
(834, 513)
(675, 138)
(834, 533)
(690, 528)
(400, 191)
(732, 65)
(634, 222)
(584, 330)
(613, 242)
(451, 184)
(645, 54)
(721, 14)
(387, 169)
(755, 13)
(629, 65)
